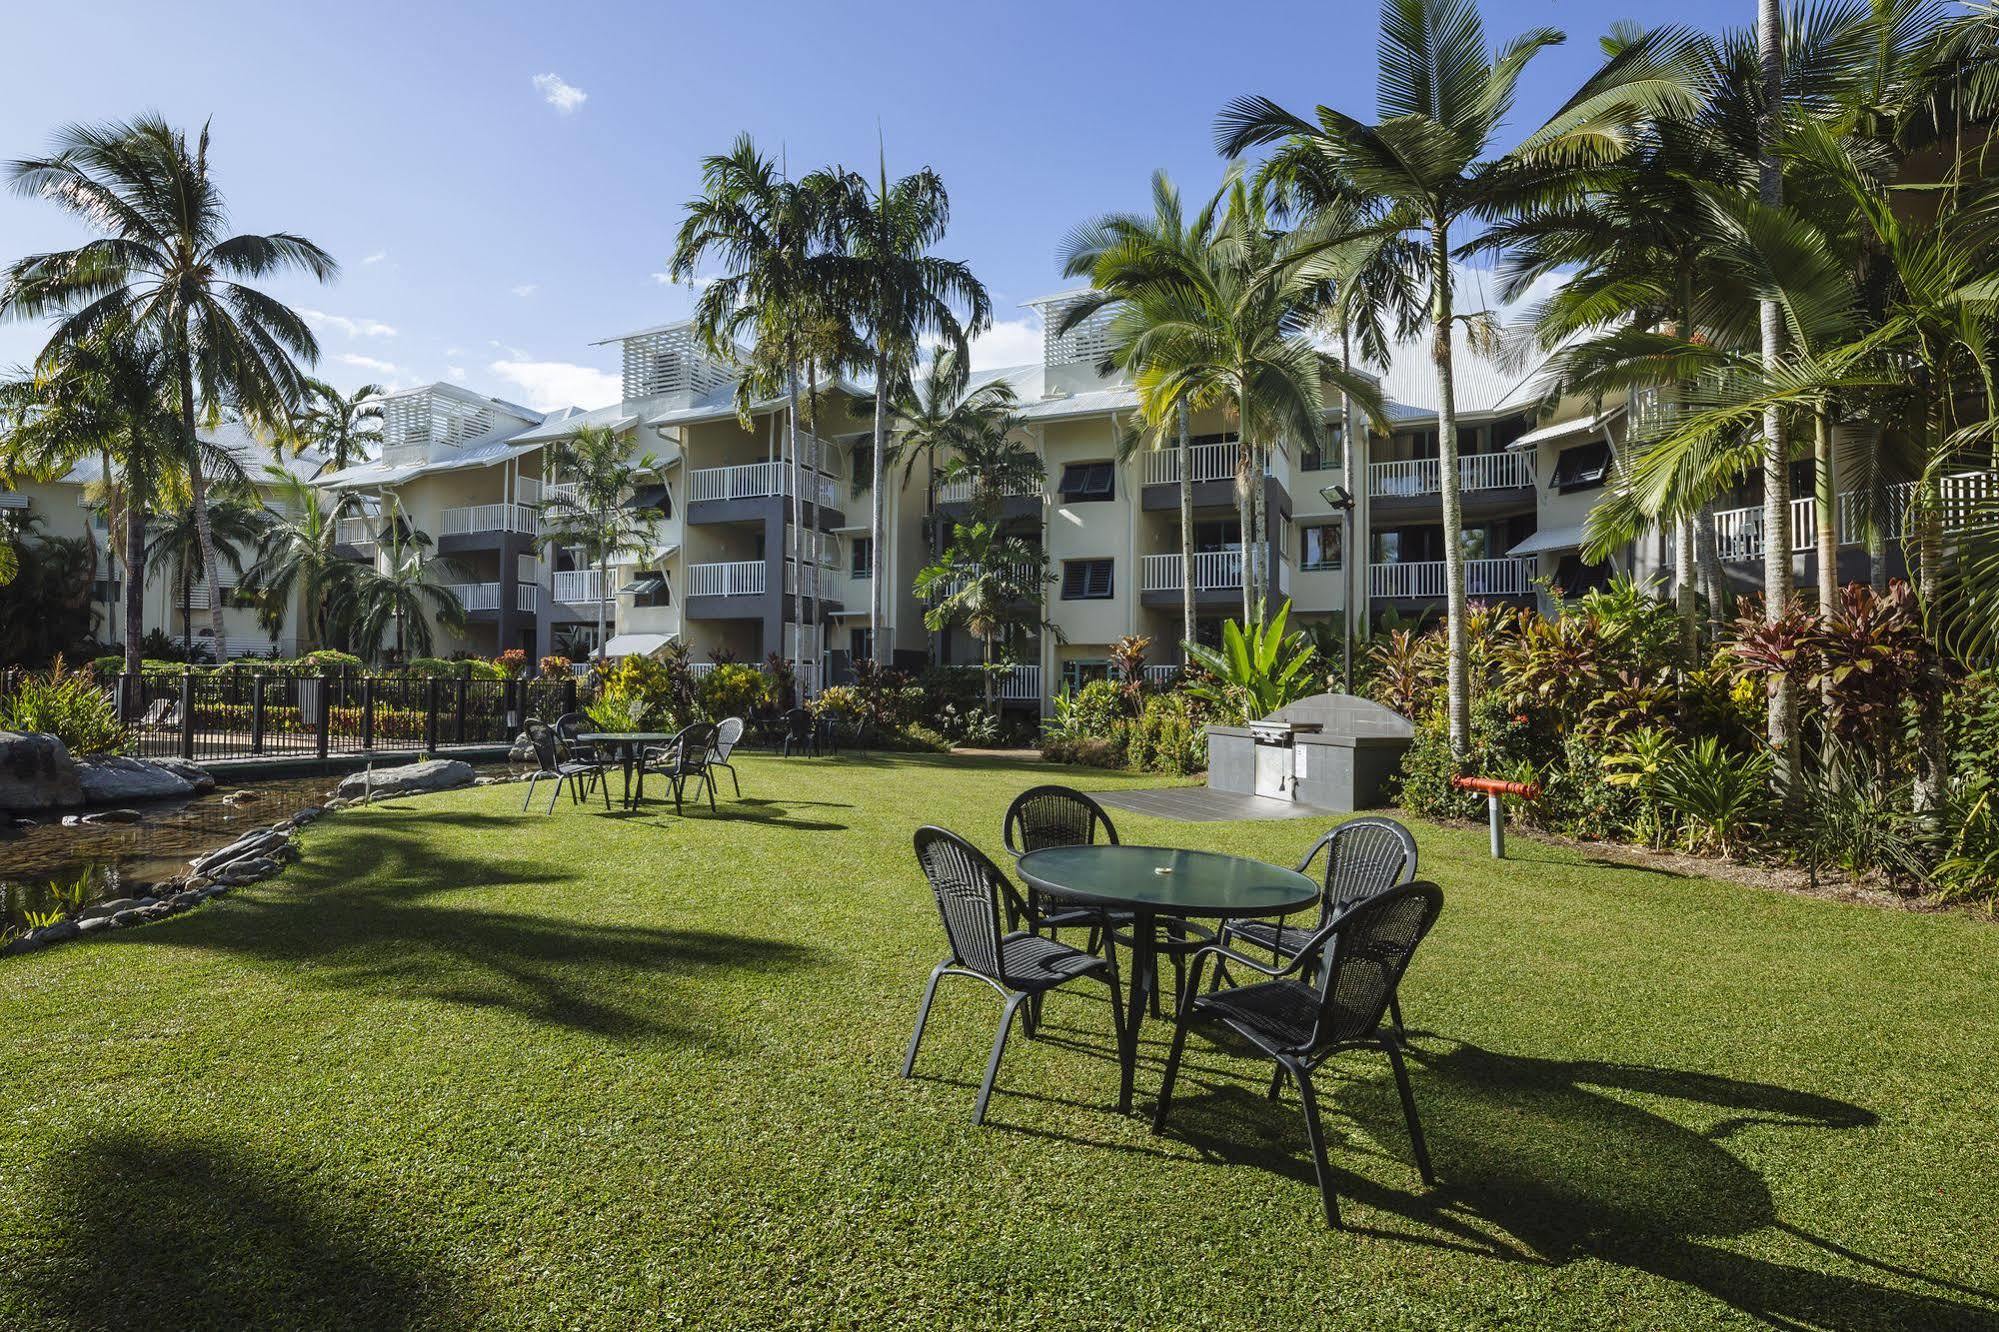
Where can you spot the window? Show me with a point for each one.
(1088, 483)
(1582, 467)
(648, 589)
(655, 502)
(1325, 459)
(1086, 580)
(1076, 674)
(1319, 546)
(864, 557)
(240, 597)
(857, 645)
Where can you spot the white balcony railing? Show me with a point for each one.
(1021, 573)
(697, 669)
(488, 518)
(1018, 684)
(1424, 579)
(1739, 532)
(1213, 571)
(1211, 462)
(1424, 476)
(960, 491)
(1162, 672)
(578, 587)
(476, 596)
(556, 490)
(354, 531)
(752, 481)
(738, 578)
(527, 598)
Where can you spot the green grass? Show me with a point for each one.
(466, 1067)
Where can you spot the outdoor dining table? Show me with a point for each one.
(628, 744)
(1163, 883)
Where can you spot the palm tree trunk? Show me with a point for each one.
(1245, 477)
(1713, 573)
(603, 593)
(797, 525)
(1783, 710)
(1827, 501)
(135, 592)
(875, 514)
(1351, 570)
(1186, 528)
(1684, 591)
(986, 650)
(197, 485)
(1458, 674)
(1877, 534)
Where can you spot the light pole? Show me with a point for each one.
(1342, 502)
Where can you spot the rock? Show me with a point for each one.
(130, 916)
(200, 778)
(36, 772)
(92, 924)
(523, 750)
(99, 910)
(110, 779)
(25, 824)
(240, 872)
(411, 778)
(104, 816)
(27, 943)
(239, 797)
(306, 815)
(60, 932)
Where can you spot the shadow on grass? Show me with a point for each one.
(144, 1232)
(396, 930)
(1556, 1157)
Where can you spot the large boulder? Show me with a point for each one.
(200, 778)
(36, 772)
(410, 779)
(111, 779)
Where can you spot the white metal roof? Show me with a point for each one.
(1551, 539)
(635, 645)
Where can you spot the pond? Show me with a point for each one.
(50, 868)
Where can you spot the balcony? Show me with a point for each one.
(578, 587)
(356, 532)
(1213, 472)
(764, 480)
(1214, 571)
(697, 669)
(1418, 478)
(1022, 573)
(737, 578)
(1423, 580)
(478, 598)
(1739, 532)
(960, 492)
(1019, 684)
(479, 526)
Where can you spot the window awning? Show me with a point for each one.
(645, 585)
(1582, 425)
(12, 500)
(651, 497)
(636, 645)
(1550, 540)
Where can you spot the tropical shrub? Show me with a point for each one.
(67, 704)
(327, 661)
(732, 690)
(513, 663)
(1257, 670)
(1720, 798)
(555, 666)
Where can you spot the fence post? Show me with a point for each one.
(257, 713)
(463, 683)
(325, 712)
(430, 715)
(569, 694)
(129, 687)
(187, 714)
(367, 712)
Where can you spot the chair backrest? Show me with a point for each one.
(727, 736)
(1364, 858)
(568, 726)
(969, 888)
(1362, 957)
(542, 737)
(690, 747)
(798, 724)
(1045, 816)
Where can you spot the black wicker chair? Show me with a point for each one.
(727, 736)
(567, 727)
(801, 730)
(1364, 858)
(972, 894)
(552, 764)
(1359, 959)
(1046, 816)
(685, 759)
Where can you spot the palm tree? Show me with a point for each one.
(989, 583)
(931, 416)
(900, 295)
(107, 398)
(991, 457)
(166, 266)
(298, 561)
(1440, 101)
(405, 592)
(769, 233)
(177, 551)
(593, 514)
(343, 426)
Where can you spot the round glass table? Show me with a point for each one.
(628, 744)
(1155, 883)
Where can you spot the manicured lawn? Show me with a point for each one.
(464, 1066)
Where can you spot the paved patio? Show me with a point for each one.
(1198, 804)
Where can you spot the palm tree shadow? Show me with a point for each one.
(144, 1231)
(1536, 1163)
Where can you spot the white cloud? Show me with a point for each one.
(664, 279)
(547, 385)
(374, 364)
(456, 373)
(454, 351)
(564, 97)
(513, 353)
(374, 258)
(1008, 342)
(526, 289)
(353, 328)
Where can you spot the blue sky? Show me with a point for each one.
(501, 182)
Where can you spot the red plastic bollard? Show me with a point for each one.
(1492, 788)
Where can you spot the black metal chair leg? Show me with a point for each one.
(1409, 1110)
(554, 795)
(1395, 1015)
(1172, 1072)
(528, 799)
(1276, 1082)
(708, 779)
(602, 781)
(1013, 1003)
(922, 1016)
(1316, 1131)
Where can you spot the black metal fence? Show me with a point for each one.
(234, 714)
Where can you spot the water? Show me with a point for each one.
(52, 868)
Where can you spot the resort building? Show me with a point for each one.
(73, 507)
